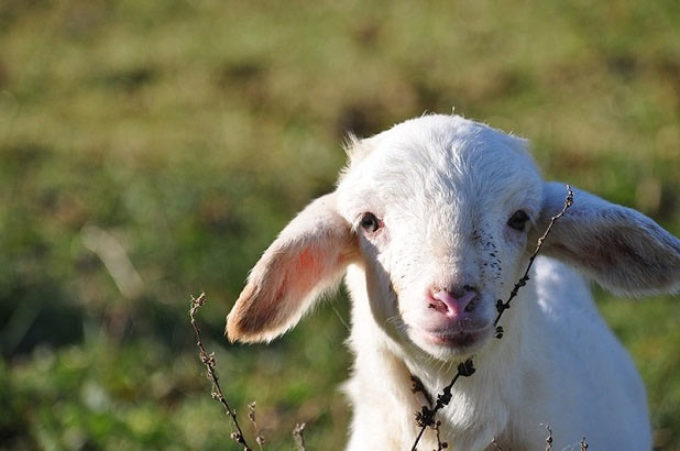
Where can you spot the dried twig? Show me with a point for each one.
(418, 387)
(208, 361)
(299, 437)
(584, 444)
(503, 306)
(425, 417)
(440, 445)
(259, 438)
(495, 444)
(548, 439)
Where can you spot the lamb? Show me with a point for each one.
(431, 223)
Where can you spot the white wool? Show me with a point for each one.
(440, 191)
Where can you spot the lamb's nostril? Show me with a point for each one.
(438, 306)
(454, 301)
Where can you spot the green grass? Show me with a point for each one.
(191, 131)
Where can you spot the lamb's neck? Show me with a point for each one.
(384, 366)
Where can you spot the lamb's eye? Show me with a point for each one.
(518, 220)
(369, 222)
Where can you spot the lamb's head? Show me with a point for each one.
(441, 207)
(441, 214)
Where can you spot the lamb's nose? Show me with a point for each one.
(453, 302)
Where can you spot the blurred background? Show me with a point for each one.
(151, 149)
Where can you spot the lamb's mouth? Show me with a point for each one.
(457, 339)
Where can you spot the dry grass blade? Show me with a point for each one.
(299, 437)
(548, 439)
(208, 361)
(259, 438)
(495, 445)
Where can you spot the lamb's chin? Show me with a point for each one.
(448, 346)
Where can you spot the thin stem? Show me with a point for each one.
(299, 437)
(208, 361)
(259, 438)
(425, 418)
(503, 306)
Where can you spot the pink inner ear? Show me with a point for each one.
(306, 261)
(297, 277)
(307, 271)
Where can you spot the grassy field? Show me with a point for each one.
(150, 150)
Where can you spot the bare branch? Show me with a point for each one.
(440, 445)
(425, 417)
(208, 361)
(503, 306)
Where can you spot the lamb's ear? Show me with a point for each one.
(622, 249)
(307, 258)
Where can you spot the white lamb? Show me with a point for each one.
(432, 222)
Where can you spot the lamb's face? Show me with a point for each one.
(441, 207)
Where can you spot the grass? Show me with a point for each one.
(191, 131)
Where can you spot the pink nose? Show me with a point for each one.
(453, 303)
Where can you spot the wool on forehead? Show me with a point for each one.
(439, 158)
